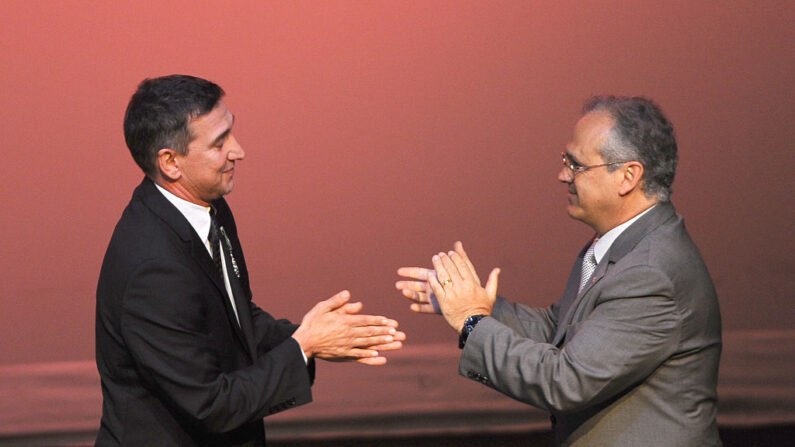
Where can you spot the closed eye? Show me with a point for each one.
(220, 140)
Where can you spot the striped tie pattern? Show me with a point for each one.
(588, 266)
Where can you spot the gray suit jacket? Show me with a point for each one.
(630, 361)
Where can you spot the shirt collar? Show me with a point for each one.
(198, 216)
(603, 243)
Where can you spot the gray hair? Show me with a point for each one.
(642, 133)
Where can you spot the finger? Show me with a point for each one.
(359, 320)
(417, 297)
(425, 308)
(462, 267)
(459, 248)
(395, 345)
(442, 274)
(334, 302)
(360, 353)
(417, 292)
(353, 332)
(362, 342)
(491, 283)
(433, 281)
(420, 273)
(415, 286)
(382, 334)
(351, 308)
(391, 323)
(372, 361)
(451, 267)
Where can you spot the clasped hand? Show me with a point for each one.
(453, 283)
(334, 330)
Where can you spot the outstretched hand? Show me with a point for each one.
(418, 290)
(453, 283)
(334, 330)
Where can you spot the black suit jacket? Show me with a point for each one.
(176, 367)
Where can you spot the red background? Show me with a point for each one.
(378, 133)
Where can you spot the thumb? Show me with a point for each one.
(491, 284)
(336, 301)
(351, 308)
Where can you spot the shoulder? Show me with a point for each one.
(668, 247)
(142, 234)
(662, 261)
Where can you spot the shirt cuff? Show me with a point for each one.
(306, 361)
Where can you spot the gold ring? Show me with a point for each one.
(446, 282)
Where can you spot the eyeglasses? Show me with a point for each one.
(577, 168)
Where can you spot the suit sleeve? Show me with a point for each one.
(538, 324)
(164, 325)
(630, 332)
(268, 331)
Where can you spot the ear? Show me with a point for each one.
(631, 172)
(167, 164)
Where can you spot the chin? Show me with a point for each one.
(229, 187)
(574, 212)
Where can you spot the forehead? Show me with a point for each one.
(211, 124)
(589, 132)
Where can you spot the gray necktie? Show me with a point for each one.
(588, 266)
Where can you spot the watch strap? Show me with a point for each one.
(469, 325)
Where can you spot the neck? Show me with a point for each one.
(179, 190)
(628, 209)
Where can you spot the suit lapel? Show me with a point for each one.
(638, 230)
(620, 247)
(569, 295)
(197, 251)
(246, 329)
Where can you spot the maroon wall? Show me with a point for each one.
(380, 132)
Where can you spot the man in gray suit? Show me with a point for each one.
(628, 356)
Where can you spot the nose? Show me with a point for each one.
(565, 175)
(236, 151)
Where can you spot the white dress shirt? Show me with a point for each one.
(199, 218)
(604, 242)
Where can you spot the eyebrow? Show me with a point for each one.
(571, 158)
(224, 134)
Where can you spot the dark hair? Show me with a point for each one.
(159, 112)
(641, 132)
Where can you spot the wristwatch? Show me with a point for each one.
(469, 325)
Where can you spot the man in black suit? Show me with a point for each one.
(185, 357)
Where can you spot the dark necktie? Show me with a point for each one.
(214, 238)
